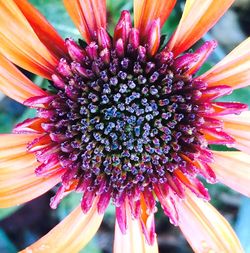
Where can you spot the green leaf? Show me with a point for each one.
(68, 204)
(6, 122)
(28, 113)
(171, 23)
(56, 14)
(92, 247)
(6, 246)
(205, 67)
(110, 211)
(114, 9)
(240, 95)
(5, 212)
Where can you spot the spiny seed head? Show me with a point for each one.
(128, 123)
(122, 119)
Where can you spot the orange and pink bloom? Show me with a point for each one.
(126, 121)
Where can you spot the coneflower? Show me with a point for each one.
(126, 121)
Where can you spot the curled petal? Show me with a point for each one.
(103, 38)
(238, 126)
(123, 27)
(149, 200)
(185, 61)
(216, 136)
(233, 70)
(87, 200)
(103, 201)
(71, 234)
(39, 101)
(212, 93)
(88, 15)
(119, 47)
(121, 217)
(146, 11)
(198, 17)
(30, 126)
(39, 143)
(134, 38)
(193, 184)
(75, 51)
(133, 241)
(147, 222)
(167, 203)
(204, 228)
(224, 108)
(202, 54)
(154, 37)
(232, 169)
(201, 167)
(21, 44)
(60, 194)
(16, 85)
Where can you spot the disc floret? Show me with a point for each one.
(128, 122)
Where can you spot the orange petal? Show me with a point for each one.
(18, 182)
(238, 126)
(14, 146)
(13, 152)
(232, 168)
(204, 228)
(20, 43)
(43, 29)
(233, 70)
(214, 136)
(147, 222)
(133, 241)
(15, 140)
(11, 172)
(71, 234)
(154, 37)
(193, 184)
(30, 125)
(146, 11)
(198, 17)
(16, 85)
(88, 15)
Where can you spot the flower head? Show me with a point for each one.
(127, 121)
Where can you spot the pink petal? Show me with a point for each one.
(204, 228)
(233, 70)
(232, 168)
(198, 17)
(238, 126)
(133, 241)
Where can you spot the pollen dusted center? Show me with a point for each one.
(122, 117)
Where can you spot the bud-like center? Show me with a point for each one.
(124, 121)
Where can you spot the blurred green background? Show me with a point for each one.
(22, 225)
